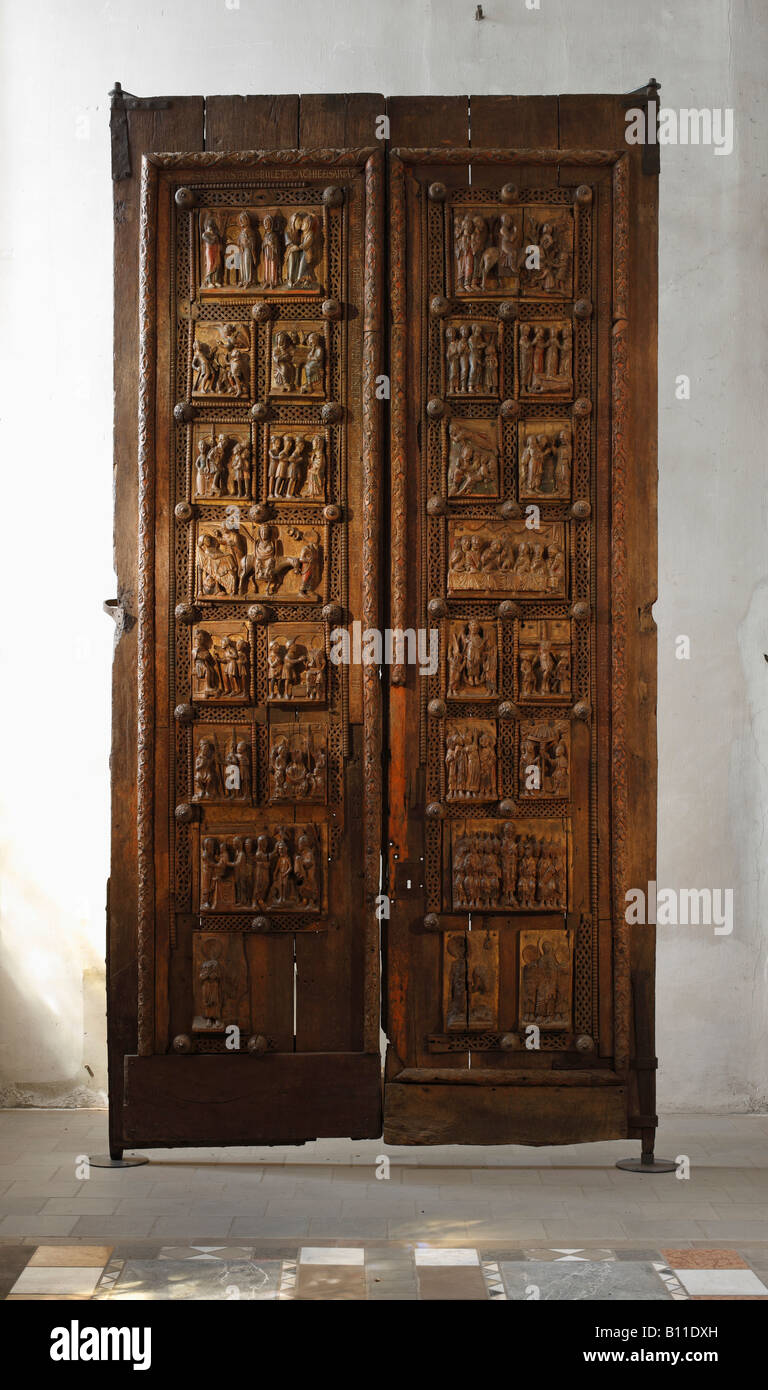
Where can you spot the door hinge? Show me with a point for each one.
(120, 104)
(651, 158)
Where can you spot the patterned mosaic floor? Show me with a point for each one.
(374, 1272)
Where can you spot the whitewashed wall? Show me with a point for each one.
(59, 58)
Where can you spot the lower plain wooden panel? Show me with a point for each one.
(454, 1114)
(278, 1099)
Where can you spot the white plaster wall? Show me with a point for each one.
(58, 60)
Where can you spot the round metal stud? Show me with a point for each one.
(437, 506)
(185, 813)
(331, 413)
(436, 709)
(507, 310)
(432, 922)
(398, 674)
(435, 810)
(510, 1042)
(583, 308)
(183, 714)
(582, 710)
(437, 608)
(257, 1045)
(332, 512)
(508, 609)
(508, 710)
(331, 309)
(437, 192)
(439, 306)
(583, 194)
(183, 412)
(185, 198)
(510, 509)
(260, 411)
(260, 511)
(584, 1043)
(183, 1043)
(582, 407)
(580, 609)
(581, 509)
(435, 408)
(509, 193)
(257, 613)
(510, 410)
(260, 924)
(332, 613)
(186, 613)
(506, 809)
(261, 311)
(333, 195)
(183, 511)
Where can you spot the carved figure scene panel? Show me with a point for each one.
(545, 659)
(506, 557)
(472, 358)
(233, 561)
(221, 661)
(298, 360)
(221, 463)
(545, 758)
(545, 359)
(297, 460)
(472, 660)
(223, 763)
(470, 980)
(263, 866)
(221, 360)
(272, 251)
(545, 454)
(470, 760)
(547, 268)
(473, 449)
(546, 979)
(297, 667)
(298, 763)
(513, 865)
(220, 982)
(487, 246)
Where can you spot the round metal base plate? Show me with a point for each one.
(106, 1161)
(639, 1165)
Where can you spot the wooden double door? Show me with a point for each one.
(386, 553)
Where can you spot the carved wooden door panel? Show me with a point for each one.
(510, 847)
(259, 787)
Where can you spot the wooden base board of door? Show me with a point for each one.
(455, 1114)
(282, 1099)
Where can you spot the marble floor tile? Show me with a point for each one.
(704, 1259)
(166, 1280)
(330, 1283)
(332, 1255)
(71, 1255)
(710, 1281)
(58, 1279)
(202, 1253)
(612, 1280)
(456, 1283)
(438, 1256)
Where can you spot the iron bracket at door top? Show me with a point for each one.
(120, 104)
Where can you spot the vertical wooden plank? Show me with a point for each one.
(427, 122)
(179, 127)
(520, 123)
(345, 120)
(251, 123)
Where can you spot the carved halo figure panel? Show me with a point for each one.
(470, 760)
(221, 361)
(472, 358)
(297, 463)
(547, 268)
(545, 359)
(262, 866)
(513, 865)
(220, 982)
(472, 659)
(544, 660)
(487, 249)
(223, 763)
(271, 250)
(298, 360)
(298, 763)
(545, 758)
(506, 557)
(221, 661)
(222, 469)
(237, 560)
(297, 664)
(472, 449)
(546, 979)
(545, 455)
